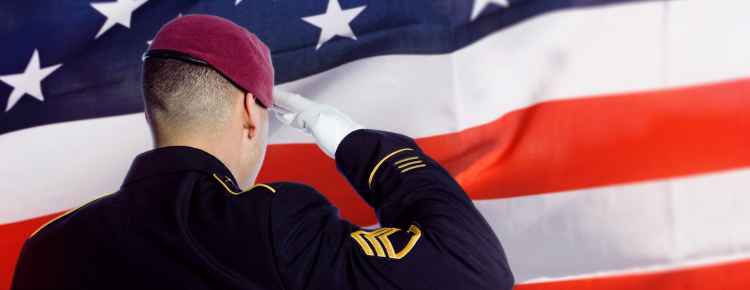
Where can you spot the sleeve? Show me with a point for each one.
(432, 236)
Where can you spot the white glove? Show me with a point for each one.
(327, 125)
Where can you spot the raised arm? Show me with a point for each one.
(432, 236)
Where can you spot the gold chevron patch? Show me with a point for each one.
(377, 243)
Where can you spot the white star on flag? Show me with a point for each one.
(479, 5)
(237, 2)
(118, 12)
(334, 21)
(28, 82)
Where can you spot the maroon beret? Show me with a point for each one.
(232, 50)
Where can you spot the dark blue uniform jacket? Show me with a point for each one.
(179, 221)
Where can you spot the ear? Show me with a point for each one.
(249, 121)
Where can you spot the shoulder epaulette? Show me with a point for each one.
(233, 192)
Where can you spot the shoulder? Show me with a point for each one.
(299, 214)
(296, 194)
(279, 196)
(93, 214)
(290, 187)
(293, 200)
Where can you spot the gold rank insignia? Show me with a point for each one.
(380, 242)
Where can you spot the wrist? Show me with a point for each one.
(330, 131)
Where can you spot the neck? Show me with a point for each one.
(221, 147)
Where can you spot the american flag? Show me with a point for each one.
(606, 142)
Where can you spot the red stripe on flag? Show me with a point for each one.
(13, 235)
(579, 143)
(727, 276)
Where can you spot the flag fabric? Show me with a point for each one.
(606, 142)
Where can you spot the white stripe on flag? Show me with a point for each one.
(625, 229)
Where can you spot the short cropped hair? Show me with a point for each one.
(182, 96)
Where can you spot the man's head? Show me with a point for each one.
(206, 84)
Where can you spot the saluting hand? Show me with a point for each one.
(325, 123)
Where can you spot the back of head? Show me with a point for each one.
(193, 69)
(181, 97)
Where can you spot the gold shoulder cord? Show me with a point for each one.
(65, 214)
(238, 193)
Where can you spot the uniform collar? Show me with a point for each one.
(172, 159)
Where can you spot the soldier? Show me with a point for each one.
(181, 219)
